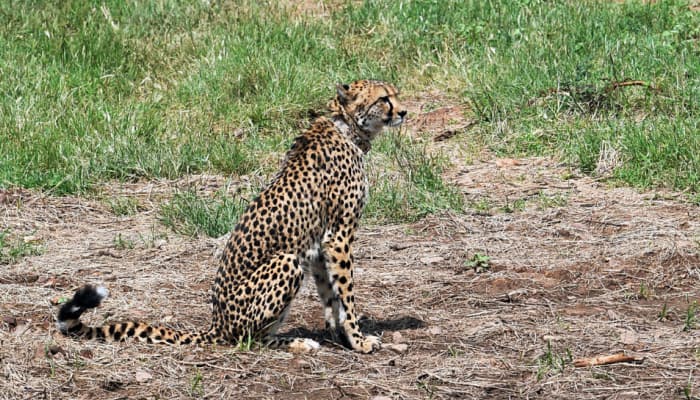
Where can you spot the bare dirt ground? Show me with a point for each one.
(577, 269)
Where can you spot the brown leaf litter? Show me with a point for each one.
(577, 270)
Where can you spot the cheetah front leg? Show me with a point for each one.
(329, 299)
(340, 271)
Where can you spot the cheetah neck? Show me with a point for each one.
(353, 133)
(350, 129)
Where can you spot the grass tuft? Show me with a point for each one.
(691, 315)
(123, 206)
(13, 248)
(552, 363)
(410, 184)
(129, 90)
(190, 213)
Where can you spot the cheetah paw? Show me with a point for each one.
(368, 344)
(303, 346)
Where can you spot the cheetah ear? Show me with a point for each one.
(343, 95)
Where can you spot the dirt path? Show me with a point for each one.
(576, 269)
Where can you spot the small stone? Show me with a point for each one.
(515, 295)
(21, 328)
(432, 260)
(397, 337)
(86, 353)
(40, 352)
(111, 385)
(142, 376)
(54, 349)
(628, 395)
(300, 363)
(380, 398)
(628, 337)
(10, 320)
(398, 348)
(507, 162)
(553, 338)
(48, 281)
(435, 330)
(31, 239)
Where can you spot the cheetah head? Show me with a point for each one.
(372, 105)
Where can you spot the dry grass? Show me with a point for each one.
(577, 270)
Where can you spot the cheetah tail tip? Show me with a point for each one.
(84, 298)
(89, 296)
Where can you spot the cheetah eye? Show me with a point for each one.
(384, 99)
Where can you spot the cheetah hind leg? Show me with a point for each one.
(277, 283)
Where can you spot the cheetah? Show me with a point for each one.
(303, 222)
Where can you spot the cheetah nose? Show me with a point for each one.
(402, 114)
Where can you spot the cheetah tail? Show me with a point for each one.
(87, 297)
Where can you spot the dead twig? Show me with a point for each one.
(399, 246)
(448, 133)
(609, 359)
(569, 90)
(616, 85)
(608, 223)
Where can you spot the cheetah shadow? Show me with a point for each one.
(368, 326)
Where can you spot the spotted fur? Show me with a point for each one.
(303, 221)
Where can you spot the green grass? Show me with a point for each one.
(97, 91)
(121, 243)
(552, 363)
(478, 262)
(123, 206)
(406, 182)
(191, 213)
(13, 248)
(545, 201)
(691, 315)
(196, 386)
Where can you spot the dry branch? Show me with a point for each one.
(448, 133)
(615, 85)
(609, 88)
(609, 359)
